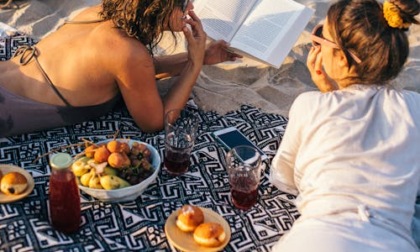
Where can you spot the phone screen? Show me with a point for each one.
(234, 138)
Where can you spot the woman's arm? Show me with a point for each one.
(135, 75)
(172, 65)
(282, 171)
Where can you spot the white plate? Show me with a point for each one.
(185, 241)
(4, 198)
(128, 193)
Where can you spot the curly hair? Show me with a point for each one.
(144, 20)
(360, 26)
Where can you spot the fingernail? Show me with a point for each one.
(318, 72)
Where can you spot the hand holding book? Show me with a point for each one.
(265, 30)
(218, 51)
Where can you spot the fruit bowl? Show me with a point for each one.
(133, 191)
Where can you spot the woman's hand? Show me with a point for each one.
(218, 52)
(319, 77)
(196, 38)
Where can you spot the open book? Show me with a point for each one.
(265, 30)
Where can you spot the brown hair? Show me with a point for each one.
(144, 20)
(360, 26)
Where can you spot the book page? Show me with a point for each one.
(222, 18)
(271, 29)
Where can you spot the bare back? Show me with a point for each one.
(90, 63)
(77, 58)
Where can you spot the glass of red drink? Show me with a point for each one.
(244, 170)
(180, 131)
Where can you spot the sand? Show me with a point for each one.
(223, 87)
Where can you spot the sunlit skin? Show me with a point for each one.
(328, 66)
(91, 63)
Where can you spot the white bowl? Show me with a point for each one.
(131, 192)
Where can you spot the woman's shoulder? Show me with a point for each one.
(306, 101)
(108, 42)
(310, 96)
(311, 100)
(88, 13)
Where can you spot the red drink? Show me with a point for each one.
(176, 163)
(180, 132)
(244, 192)
(64, 199)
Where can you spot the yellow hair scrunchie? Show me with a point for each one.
(392, 16)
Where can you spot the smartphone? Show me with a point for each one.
(231, 137)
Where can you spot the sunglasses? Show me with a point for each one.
(318, 39)
(184, 5)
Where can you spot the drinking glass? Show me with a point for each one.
(180, 132)
(244, 170)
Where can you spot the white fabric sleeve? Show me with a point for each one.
(282, 176)
(282, 167)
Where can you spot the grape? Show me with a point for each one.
(140, 168)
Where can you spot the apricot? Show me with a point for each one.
(90, 151)
(116, 160)
(116, 146)
(119, 160)
(101, 154)
(127, 161)
(113, 146)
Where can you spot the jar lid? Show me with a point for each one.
(61, 160)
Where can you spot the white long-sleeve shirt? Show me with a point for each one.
(355, 147)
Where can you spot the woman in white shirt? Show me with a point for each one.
(351, 151)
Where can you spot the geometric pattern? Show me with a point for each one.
(9, 44)
(138, 225)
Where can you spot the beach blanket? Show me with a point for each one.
(257, 229)
(139, 225)
(11, 39)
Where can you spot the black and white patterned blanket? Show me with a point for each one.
(9, 44)
(139, 225)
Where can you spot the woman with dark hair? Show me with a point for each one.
(106, 52)
(351, 151)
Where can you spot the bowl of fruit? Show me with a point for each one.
(116, 170)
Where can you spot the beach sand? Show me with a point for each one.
(224, 87)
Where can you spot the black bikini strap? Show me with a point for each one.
(27, 53)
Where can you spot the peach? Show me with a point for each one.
(116, 146)
(119, 160)
(90, 151)
(127, 161)
(101, 154)
(113, 146)
(116, 160)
